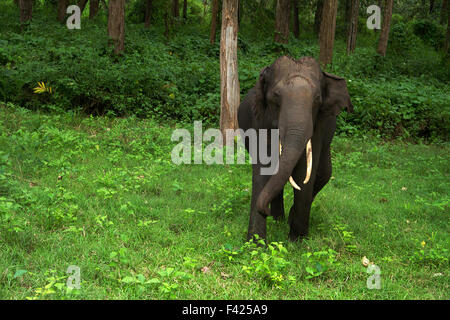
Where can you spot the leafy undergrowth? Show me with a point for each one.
(103, 195)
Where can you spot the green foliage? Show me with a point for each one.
(319, 262)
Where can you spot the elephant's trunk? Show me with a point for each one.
(294, 140)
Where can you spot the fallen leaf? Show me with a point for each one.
(365, 261)
(224, 275)
(206, 269)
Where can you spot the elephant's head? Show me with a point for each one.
(293, 94)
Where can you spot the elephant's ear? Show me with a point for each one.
(258, 98)
(336, 97)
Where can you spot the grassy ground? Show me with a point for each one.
(103, 194)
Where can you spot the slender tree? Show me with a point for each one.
(116, 24)
(93, 8)
(296, 24)
(282, 21)
(447, 39)
(176, 8)
(185, 9)
(353, 26)
(214, 12)
(318, 16)
(26, 11)
(385, 28)
(327, 31)
(444, 12)
(229, 79)
(62, 7)
(82, 4)
(148, 11)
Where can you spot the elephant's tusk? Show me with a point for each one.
(291, 180)
(308, 161)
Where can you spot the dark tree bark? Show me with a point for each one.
(444, 12)
(327, 31)
(431, 6)
(185, 10)
(214, 12)
(62, 7)
(26, 11)
(385, 28)
(93, 8)
(82, 4)
(447, 40)
(116, 24)
(148, 12)
(296, 24)
(318, 16)
(229, 78)
(282, 21)
(353, 26)
(176, 8)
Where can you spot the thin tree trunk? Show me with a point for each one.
(353, 26)
(185, 10)
(296, 26)
(444, 12)
(82, 4)
(431, 6)
(215, 11)
(116, 24)
(62, 7)
(282, 21)
(26, 11)
(229, 79)
(327, 31)
(318, 16)
(447, 40)
(93, 8)
(176, 8)
(385, 28)
(148, 12)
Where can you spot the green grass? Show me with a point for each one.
(104, 195)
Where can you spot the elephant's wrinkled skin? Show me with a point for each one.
(300, 100)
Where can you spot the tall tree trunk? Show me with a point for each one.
(385, 28)
(176, 8)
(26, 11)
(318, 16)
(82, 4)
(444, 12)
(296, 23)
(116, 24)
(447, 40)
(214, 12)
(185, 10)
(62, 7)
(93, 8)
(431, 6)
(282, 21)
(353, 26)
(148, 12)
(229, 78)
(327, 31)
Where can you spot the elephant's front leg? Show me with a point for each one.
(300, 211)
(277, 207)
(257, 224)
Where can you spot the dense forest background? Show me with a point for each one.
(170, 70)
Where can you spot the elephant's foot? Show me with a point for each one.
(294, 236)
(277, 208)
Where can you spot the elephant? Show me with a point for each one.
(302, 102)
